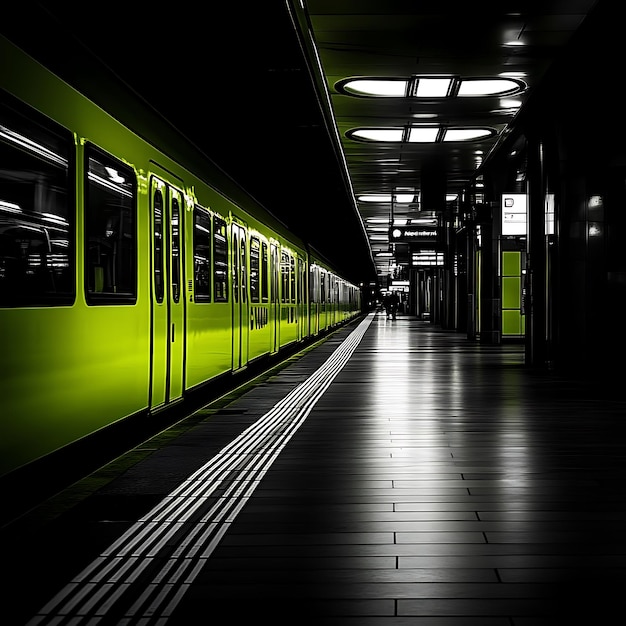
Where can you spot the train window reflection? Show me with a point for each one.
(243, 264)
(255, 257)
(220, 260)
(175, 233)
(202, 255)
(285, 269)
(264, 272)
(37, 239)
(158, 245)
(110, 230)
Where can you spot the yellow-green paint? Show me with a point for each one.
(68, 371)
(513, 322)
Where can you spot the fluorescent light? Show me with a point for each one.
(487, 87)
(418, 134)
(423, 134)
(377, 87)
(510, 104)
(433, 87)
(465, 134)
(371, 197)
(10, 207)
(402, 198)
(379, 134)
(405, 198)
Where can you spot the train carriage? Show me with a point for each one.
(130, 275)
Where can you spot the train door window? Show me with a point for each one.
(37, 222)
(301, 281)
(285, 266)
(264, 270)
(243, 264)
(235, 247)
(323, 287)
(201, 255)
(274, 273)
(313, 283)
(255, 278)
(158, 243)
(110, 230)
(220, 260)
(292, 279)
(175, 237)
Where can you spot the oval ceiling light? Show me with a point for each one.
(489, 87)
(430, 86)
(374, 197)
(376, 134)
(420, 134)
(433, 87)
(401, 198)
(382, 87)
(423, 134)
(467, 134)
(404, 198)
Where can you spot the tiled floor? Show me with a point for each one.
(418, 478)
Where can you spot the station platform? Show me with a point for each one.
(392, 474)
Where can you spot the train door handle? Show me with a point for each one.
(173, 333)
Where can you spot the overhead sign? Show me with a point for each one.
(514, 214)
(414, 234)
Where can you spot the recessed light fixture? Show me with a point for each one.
(380, 87)
(420, 134)
(430, 86)
(377, 134)
(398, 197)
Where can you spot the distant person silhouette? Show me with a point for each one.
(391, 303)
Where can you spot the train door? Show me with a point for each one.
(274, 297)
(168, 332)
(301, 299)
(241, 306)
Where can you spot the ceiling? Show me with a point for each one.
(404, 38)
(255, 88)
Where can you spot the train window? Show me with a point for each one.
(37, 225)
(285, 267)
(202, 255)
(235, 247)
(110, 230)
(264, 270)
(292, 279)
(301, 281)
(220, 260)
(243, 264)
(255, 261)
(274, 269)
(158, 244)
(313, 283)
(175, 249)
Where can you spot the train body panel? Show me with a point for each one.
(128, 278)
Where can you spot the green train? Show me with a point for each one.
(133, 271)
